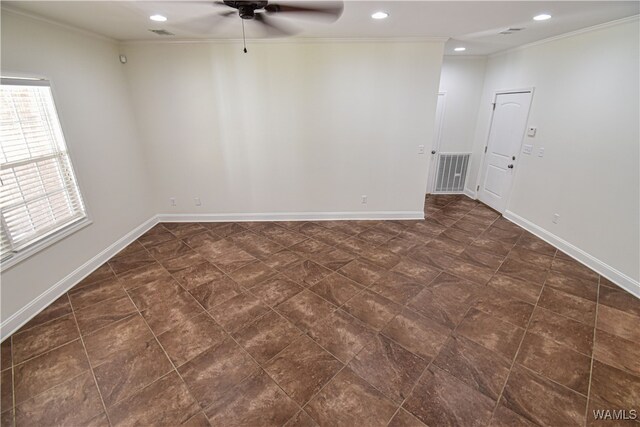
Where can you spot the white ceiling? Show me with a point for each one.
(474, 24)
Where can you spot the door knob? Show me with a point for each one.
(510, 166)
(433, 151)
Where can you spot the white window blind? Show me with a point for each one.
(40, 195)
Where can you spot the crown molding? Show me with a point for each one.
(14, 11)
(568, 35)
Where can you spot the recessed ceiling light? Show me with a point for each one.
(380, 15)
(542, 17)
(460, 49)
(158, 18)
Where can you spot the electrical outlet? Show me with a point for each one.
(197, 201)
(172, 201)
(556, 218)
(541, 152)
(364, 199)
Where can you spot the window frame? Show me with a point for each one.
(59, 233)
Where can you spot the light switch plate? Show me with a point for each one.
(531, 131)
(540, 152)
(527, 149)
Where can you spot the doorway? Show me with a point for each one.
(508, 126)
(437, 137)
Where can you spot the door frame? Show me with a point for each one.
(431, 179)
(486, 143)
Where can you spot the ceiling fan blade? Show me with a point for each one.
(204, 24)
(318, 10)
(270, 27)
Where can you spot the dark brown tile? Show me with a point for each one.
(388, 367)
(330, 237)
(542, 401)
(256, 245)
(58, 308)
(505, 417)
(373, 309)
(198, 420)
(348, 400)
(375, 237)
(307, 273)
(165, 402)
(491, 246)
(526, 291)
(205, 238)
(257, 401)
(568, 305)
(417, 334)
(301, 419)
(481, 258)
(267, 336)
(524, 271)
(181, 262)
(154, 293)
(165, 315)
(283, 259)
(397, 287)
(555, 362)
(252, 274)
(479, 368)
(130, 370)
(619, 299)
(441, 399)
(362, 272)
(190, 338)
(74, 402)
(216, 292)
(471, 272)
(568, 332)
(618, 323)
(507, 236)
(183, 229)
(42, 338)
(150, 240)
(355, 246)
(491, 333)
(302, 369)
(381, 257)
(336, 289)
(92, 294)
(101, 273)
(341, 334)
(276, 290)
(446, 244)
(469, 226)
(433, 257)
(614, 387)
(169, 250)
(49, 370)
(606, 415)
(308, 247)
(309, 228)
(446, 299)
(225, 255)
(533, 243)
(505, 307)
(574, 286)
(617, 352)
(404, 419)
(143, 276)
(332, 259)
(129, 262)
(417, 270)
(6, 390)
(105, 344)
(104, 313)
(401, 245)
(239, 311)
(6, 359)
(305, 309)
(214, 372)
(283, 236)
(530, 257)
(573, 268)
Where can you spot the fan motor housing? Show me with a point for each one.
(246, 9)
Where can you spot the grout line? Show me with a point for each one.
(93, 374)
(593, 350)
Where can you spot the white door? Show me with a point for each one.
(508, 127)
(433, 164)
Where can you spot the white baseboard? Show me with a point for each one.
(629, 284)
(470, 193)
(26, 313)
(291, 216)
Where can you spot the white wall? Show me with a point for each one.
(93, 104)
(288, 127)
(462, 80)
(585, 107)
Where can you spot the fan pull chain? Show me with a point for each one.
(244, 41)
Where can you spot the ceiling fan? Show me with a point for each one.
(267, 14)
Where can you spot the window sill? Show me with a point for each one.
(45, 243)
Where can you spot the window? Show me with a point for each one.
(39, 196)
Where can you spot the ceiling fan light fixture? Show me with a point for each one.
(542, 17)
(380, 15)
(158, 18)
(460, 49)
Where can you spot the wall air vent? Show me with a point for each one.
(511, 30)
(162, 32)
(452, 172)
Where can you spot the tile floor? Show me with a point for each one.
(462, 319)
